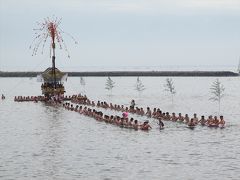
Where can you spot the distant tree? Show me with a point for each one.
(169, 87)
(82, 81)
(139, 86)
(109, 84)
(217, 90)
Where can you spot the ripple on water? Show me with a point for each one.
(44, 142)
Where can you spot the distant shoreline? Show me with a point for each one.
(130, 73)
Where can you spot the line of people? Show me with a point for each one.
(51, 85)
(156, 113)
(29, 98)
(123, 122)
(44, 98)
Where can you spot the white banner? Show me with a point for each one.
(39, 78)
(64, 78)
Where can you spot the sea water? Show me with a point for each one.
(39, 141)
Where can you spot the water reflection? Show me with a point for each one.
(48, 136)
(53, 142)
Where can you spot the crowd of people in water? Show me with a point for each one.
(121, 121)
(156, 113)
(51, 85)
(54, 99)
(124, 121)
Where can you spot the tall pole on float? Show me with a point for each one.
(53, 65)
(52, 32)
(49, 29)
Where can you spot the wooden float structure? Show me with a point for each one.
(52, 79)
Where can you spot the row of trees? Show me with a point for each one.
(217, 89)
(138, 86)
(110, 84)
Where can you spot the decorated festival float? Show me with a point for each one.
(52, 78)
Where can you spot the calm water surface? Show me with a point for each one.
(44, 142)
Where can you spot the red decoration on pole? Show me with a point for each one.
(49, 28)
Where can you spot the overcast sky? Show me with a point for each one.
(111, 33)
